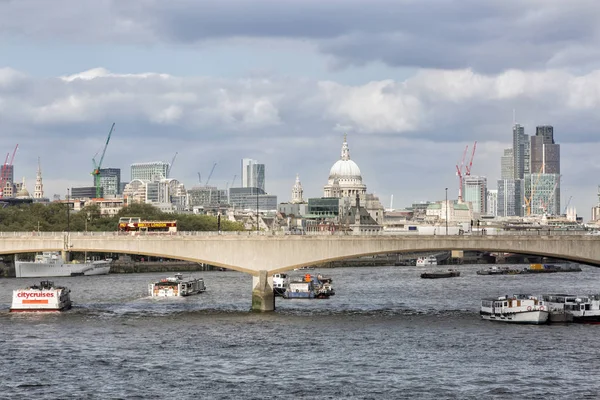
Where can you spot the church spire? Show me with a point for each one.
(38, 192)
(345, 149)
(297, 191)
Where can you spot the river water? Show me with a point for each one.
(387, 333)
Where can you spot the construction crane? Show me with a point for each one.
(233, 181)
(567, 206)
(210, 175)
(97, 166)
(171, 165)
(468, 169)
(6, 170)
(460, 175)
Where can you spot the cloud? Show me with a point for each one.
(486, 36)
(399, 131)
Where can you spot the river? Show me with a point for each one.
(387, 333)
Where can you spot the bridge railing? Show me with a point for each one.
(541, 232)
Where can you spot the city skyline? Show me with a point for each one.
(283, 89)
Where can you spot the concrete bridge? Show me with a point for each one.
(262, 255)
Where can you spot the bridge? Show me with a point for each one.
(263, 255)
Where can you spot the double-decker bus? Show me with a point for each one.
(135, 224)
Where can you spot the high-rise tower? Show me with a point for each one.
(253, 174)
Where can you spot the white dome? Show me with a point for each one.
(345, 169)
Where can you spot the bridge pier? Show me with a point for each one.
(263, 298)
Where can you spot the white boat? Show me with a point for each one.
(585, 308)
(426, 261)
(557, 306)
(43, 297)
(280, 282)
(176, 286)
(520, 308)
(309, 287)
(51, 263)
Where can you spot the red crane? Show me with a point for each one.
(468, 169)
(6, 170)
(460, 175)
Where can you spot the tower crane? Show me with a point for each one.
(460, 175)
(567, 206)
(171, 165)
(211, 172)
(468, 169)
(98, 165)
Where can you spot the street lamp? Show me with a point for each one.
(446, 211)
(68, 211)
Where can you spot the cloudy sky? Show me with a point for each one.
(412, 82)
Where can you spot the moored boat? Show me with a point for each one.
(550, 268)
(520, 308)
(497, 271)
(280, 282)
(450, 273)
(41, 298)
(51, 264)
(556, 304)
(426, 261)
(176, 286)
(309, 287)
(585, 309)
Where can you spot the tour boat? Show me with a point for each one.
(51, 263)
(280, 282)
(520, 308)
(176, 286)
(43, 297)
(556, 305)
(426, 261)
(450, 273)
(585, 308)
(309, 287)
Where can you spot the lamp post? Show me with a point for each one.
(446, 211)
(68, 211)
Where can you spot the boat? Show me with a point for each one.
(557, 306)
(45, 297)
(176, 286)
(280, 282)
(309, 287)
(585, 309)
(450, 273)
(519, 308)
(498, 271)
(550, 268)
(51, 264)
(426, 261)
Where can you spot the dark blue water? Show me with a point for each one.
(385, 334)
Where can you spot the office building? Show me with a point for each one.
(520, 152)
(150, 171)
(475, 191)
(251, 198)
(110, 181)
(510, 197)
(507, 166)
(253, 174)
